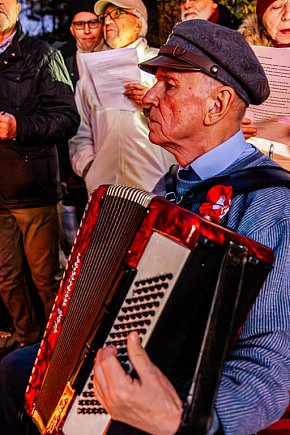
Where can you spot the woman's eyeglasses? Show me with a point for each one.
(80, 25)
(114, 14)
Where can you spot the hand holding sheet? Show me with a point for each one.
(110, 71)
(269, 117)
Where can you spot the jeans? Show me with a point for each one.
(15, 371)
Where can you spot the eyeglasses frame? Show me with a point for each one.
(80, 25)
(102, 17)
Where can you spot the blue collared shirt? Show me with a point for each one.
(221, 157)
(6, 43)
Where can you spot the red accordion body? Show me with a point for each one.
(139, 263)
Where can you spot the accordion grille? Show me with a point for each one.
(119, 217)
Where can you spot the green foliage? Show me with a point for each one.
(241, 8)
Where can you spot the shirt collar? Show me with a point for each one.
(139, 44)
(6, 43)
(221, 157)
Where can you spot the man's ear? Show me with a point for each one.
(18, 5)
(218, 104)
(138, 25)
(214, 6)
(72, 30)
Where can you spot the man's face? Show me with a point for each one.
(122, 31)
(276, 21)
(9, 10)
(192, 9)
(178, 104)
(87, 30)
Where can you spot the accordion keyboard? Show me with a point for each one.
(140, 311)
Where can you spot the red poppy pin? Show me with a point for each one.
(218, 203)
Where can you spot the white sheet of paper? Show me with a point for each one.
(272, 118)
(109, 71)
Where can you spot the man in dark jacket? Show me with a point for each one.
(209, 10)
(37, 110)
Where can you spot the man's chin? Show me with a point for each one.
(88, 47)
(111, 38)
(191, 16)
(112, 43)
(155, 138)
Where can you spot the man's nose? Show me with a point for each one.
(150, 98)
(188, 4)
(87, 28)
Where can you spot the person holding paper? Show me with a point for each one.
(269, 27)
(112, 145)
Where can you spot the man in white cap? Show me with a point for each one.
(112, 145)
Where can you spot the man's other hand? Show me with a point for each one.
(248, 128)
(136, 92)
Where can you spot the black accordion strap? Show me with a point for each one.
(197, 412)
(170, 183)
(200, 403)
(243, 181)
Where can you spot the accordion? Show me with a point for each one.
(141, 263)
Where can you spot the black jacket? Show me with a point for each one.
(36, 89)
(227, 19)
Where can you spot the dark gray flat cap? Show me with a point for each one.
(219, 52)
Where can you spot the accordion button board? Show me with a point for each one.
(140, 312)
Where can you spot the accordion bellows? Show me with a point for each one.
(142, 263)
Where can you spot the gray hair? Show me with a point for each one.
(144, 24)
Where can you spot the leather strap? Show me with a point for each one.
(243, 181)
(199, 62)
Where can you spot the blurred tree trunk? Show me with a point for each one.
(169, 14)
(163, 14)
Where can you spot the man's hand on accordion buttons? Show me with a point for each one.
(149, 402)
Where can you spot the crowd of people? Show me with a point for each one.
(59, 142)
